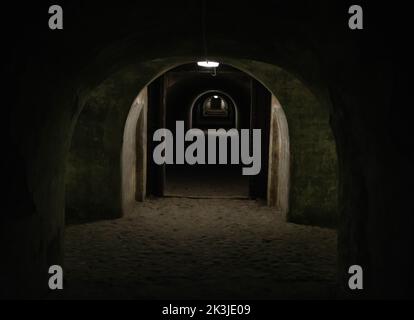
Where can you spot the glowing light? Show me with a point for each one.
(208, 64)
(215, 97)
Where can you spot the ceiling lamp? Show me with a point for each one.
(208, 64)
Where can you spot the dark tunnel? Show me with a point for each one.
(207, 99)
(85, 192)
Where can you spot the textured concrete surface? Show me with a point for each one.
(134, 154)
(186, 248)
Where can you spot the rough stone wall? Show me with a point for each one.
(313, 184)
(93, 173)
(314, 165)
(89, 185)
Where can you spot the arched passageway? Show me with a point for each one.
(50, 84)
(313, 187)
(162, 103)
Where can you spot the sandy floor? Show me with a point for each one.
(195, 249)
(206, 181)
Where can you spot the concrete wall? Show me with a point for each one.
(313, 196)
(93, 174)
(314, 165)
(134, 154)
(278, 183)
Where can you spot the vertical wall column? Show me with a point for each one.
(259, 119)
(279, 160)
(134, 153)
(141, 154)
(156, 120)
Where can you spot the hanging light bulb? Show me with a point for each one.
(208, 64)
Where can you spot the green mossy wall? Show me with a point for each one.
(93, 168)
(90, 186)
(313, 194)
(314, 164)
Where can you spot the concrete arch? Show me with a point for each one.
(279, 160)
(134, 154)
(331, 61)
(133, 174)
(190, 111)
(279, 170)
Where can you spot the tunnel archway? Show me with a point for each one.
(278, 176)
(279, 172)
(230, 103)
(134, 154)
(338, 66)
(147, 66)
(162, 217)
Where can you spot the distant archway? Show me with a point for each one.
(232, 105)
(134, 152)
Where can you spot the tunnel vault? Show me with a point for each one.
(58, 86)
(312, 187)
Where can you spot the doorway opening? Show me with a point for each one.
(226, 99)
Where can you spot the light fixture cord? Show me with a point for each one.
(204, 27)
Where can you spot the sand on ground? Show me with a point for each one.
(179, 248)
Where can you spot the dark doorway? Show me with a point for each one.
(203, 98)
